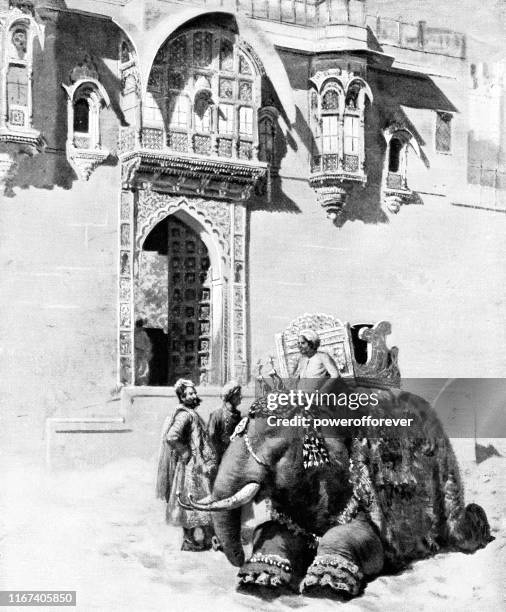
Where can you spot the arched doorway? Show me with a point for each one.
(173, 300)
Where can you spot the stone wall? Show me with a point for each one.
(434, 270)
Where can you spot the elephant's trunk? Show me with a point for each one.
(238, 482)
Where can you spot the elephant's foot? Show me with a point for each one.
(278, 562)
(333, 576)
(266, 572)
(473, 531)
(346, 554)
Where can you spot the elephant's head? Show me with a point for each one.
(265, 460)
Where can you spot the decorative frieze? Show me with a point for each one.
(202, 175)
(153, 206)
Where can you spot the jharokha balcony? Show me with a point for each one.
(192, 164)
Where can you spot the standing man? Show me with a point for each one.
(187, 465)
(143, 353)
(224, 420)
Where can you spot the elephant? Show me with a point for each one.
(341, 509)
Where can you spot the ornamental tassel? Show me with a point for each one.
(314, 453)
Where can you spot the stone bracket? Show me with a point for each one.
(84, 161)
(332, 191)
(14, 145)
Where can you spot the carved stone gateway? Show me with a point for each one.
(221, 225)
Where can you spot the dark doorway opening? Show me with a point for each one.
(173, 299)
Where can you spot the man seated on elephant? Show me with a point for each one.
(314, 366)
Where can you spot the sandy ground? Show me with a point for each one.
(101, 532)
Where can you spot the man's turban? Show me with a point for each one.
(230, 389)
(311, 336)
(181, 385)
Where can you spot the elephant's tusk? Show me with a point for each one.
(242, 497)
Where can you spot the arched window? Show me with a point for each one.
(330, 121)
(266, 135)
(206, 92)
(85, 104)
(81, 116)
(394, 155)
(85, 99)
(399, 139)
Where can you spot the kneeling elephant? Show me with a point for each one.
(341, 510)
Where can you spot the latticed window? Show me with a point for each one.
(221, 87)
(443, 132)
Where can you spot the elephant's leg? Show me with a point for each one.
(279, 559)
(472, 531)
(346, 555)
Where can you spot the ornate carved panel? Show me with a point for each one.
(125, 289)
(215, 332)
(214, 215)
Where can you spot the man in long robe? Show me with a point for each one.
(187, 465)
(225, 419)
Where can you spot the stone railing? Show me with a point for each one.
(333, 164)
(213, 145)
(309, 13)
(417, 36)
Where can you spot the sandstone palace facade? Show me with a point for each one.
(215, 168)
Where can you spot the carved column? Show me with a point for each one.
(125, 289)
(239, 363)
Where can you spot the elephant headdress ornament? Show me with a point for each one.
(339, 510)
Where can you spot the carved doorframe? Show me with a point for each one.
(222, 225)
